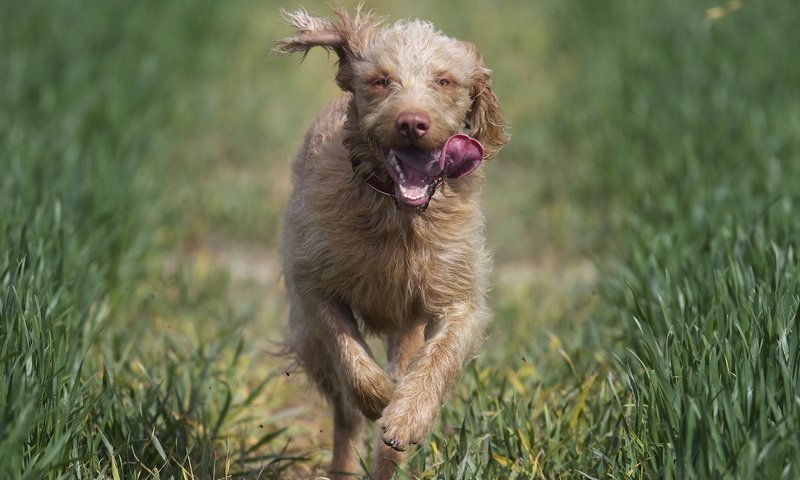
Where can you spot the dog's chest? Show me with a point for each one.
(388, 283)
(393, 268)
(391, 278)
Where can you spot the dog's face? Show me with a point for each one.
(414, 89)
(413, 86)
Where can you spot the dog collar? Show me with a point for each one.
(377, 183)
(373, 180)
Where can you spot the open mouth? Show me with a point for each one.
(416, 171)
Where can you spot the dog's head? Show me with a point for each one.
(423, 108)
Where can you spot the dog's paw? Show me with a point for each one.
(405, 422)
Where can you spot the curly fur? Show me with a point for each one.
(355, 263)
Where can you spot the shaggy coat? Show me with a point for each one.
(410, 266)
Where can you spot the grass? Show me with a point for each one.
(644, 219)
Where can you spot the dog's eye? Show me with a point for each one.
(443, 82)
(381, 82)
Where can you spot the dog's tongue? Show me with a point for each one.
(462, 154)
(416, 171)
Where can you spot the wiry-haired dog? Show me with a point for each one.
(384, 233)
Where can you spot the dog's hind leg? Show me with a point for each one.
(348, 423)
(400, 349)
(330, 348)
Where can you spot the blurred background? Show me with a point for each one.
(643, 218)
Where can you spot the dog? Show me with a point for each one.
(383, 233)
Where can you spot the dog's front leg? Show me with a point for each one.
(369, 385)
(451, 341)
(401, 347)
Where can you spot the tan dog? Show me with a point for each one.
(383, 233)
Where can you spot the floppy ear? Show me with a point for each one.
(486, 120)
(345, 35)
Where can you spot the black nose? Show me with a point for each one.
(412, 124)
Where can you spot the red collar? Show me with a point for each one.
(377, 183)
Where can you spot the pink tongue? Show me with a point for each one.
(462, 155)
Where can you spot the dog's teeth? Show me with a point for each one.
(396, 163)
(407, 193)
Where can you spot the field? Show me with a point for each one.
(645, 220)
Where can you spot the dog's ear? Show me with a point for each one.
(347, 36)
(485, 118)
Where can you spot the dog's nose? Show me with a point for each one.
(412, 124)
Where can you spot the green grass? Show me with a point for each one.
(644, 218)
(91, 120)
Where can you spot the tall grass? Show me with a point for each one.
(699, 150)
(89, 116)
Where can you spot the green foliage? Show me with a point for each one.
(701, 171)
(86, 120)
